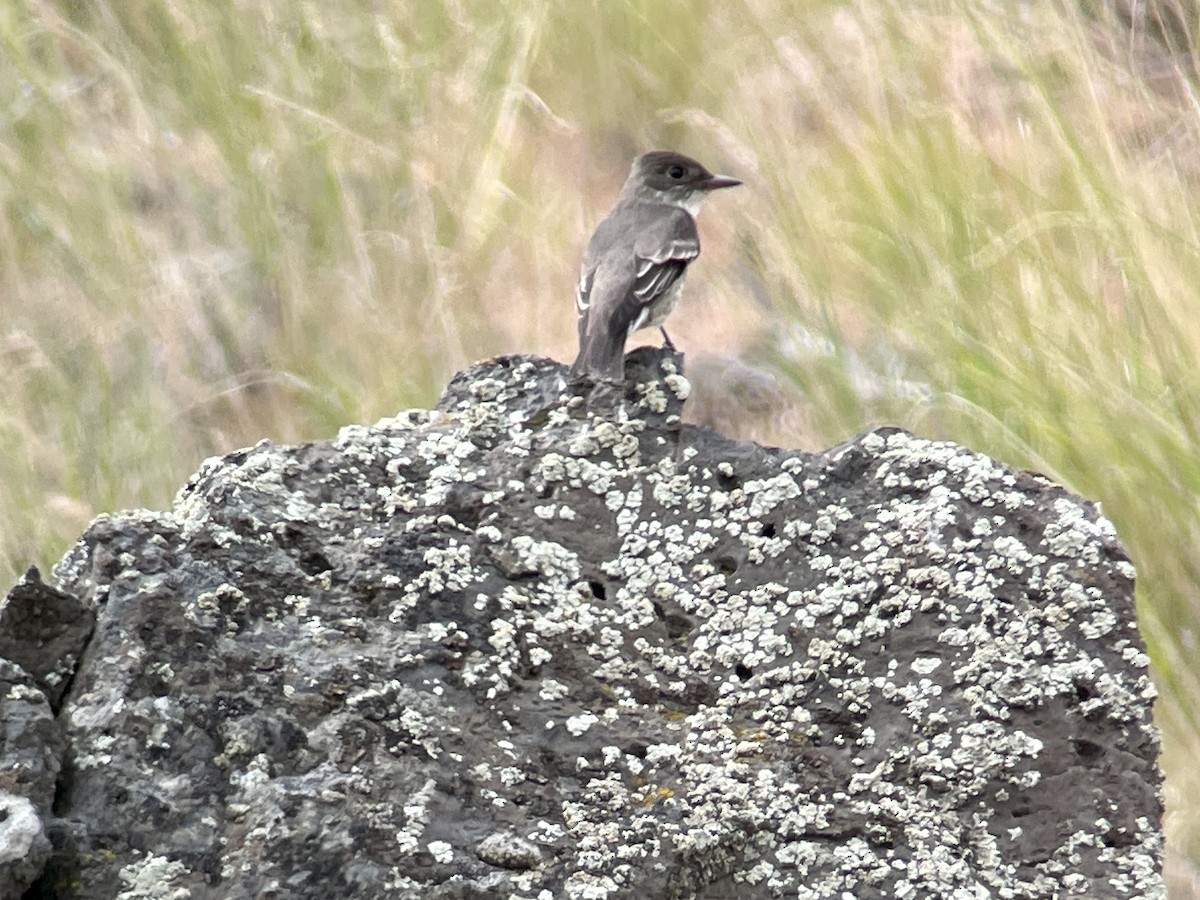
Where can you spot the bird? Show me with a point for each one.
(634, 264)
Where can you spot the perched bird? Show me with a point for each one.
(634, 264)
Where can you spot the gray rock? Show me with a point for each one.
(509, 850)
(545, 642)
(44, 630)
(29, 763)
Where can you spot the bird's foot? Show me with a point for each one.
(667, 340)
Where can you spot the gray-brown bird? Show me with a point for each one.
(635, 262)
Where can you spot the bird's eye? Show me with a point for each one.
(675, 172)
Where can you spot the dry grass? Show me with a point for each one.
(224, 222)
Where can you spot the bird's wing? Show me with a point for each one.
(663, 250)
(583, 290)
(662, 268)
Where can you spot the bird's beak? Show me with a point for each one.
(719, 181)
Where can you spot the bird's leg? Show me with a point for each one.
(666, 339)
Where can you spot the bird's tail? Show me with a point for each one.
(601, 353)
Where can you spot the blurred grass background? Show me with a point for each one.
(224, 221)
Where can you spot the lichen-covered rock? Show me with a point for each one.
(29, 763)
(546, 643)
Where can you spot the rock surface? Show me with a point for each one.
(43, 631)
(30, 754)
(533, 644)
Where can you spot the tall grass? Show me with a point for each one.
(228, 221)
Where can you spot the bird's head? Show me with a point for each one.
(673, 178)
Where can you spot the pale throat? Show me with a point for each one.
(689, 200)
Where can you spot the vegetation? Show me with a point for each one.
(228, 221)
